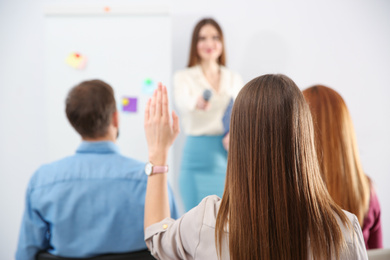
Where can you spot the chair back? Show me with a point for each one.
(379, 254)
(138, 255)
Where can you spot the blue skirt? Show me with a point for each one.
(203, 169)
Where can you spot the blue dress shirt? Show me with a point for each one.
(87, 204)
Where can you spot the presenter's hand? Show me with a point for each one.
(225, 141)
(160, 129)
(202, 104)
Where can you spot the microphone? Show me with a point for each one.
(207, 95)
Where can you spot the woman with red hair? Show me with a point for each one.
(340, 164)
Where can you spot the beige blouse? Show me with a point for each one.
(189, 85)
(192, 236)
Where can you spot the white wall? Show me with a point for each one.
(342, 44)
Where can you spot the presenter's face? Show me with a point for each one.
(209, 45)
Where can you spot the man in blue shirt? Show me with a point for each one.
(91, 203)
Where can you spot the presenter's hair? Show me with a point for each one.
(275, 201)
(89, 108)
(194, 56)
(338, 151)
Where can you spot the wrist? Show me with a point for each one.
(158, 158)
(151, 169)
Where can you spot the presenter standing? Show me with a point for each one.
(202, 95)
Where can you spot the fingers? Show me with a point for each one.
(175, 124)
(159, 100)
(158, 107)
(165, 108)
(153, 104)
(147, 110)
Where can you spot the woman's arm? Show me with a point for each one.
(160, 133)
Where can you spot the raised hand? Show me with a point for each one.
(160, 130)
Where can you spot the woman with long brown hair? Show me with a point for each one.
(339, 161)
(203, 92)
(275, 204)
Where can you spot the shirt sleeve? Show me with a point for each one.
(375, 237)
(185, 101)
(170, 239)
(359, 251)
(33, 235)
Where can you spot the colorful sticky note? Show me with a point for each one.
(76, 60)
(148, 86)
(129, 104)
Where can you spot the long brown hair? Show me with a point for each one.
(275, 204)
(338, 151)
(194, 56)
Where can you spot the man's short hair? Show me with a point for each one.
(89, 108)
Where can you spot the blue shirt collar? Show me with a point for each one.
(97, 147)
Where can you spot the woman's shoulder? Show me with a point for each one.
(349, 231)
(373, 213)
(374, 207)
(353, 236)
(373, 194)
(210, 207)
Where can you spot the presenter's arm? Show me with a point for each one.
(161, 130)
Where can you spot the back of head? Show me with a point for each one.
(337, 150)
(89, 108)
(274, 198)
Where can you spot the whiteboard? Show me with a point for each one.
(122, 49)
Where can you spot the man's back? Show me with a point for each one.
(87, 204)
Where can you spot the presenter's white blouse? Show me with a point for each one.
(189, 85)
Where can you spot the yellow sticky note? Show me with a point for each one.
(76, 60)
(125, 101)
